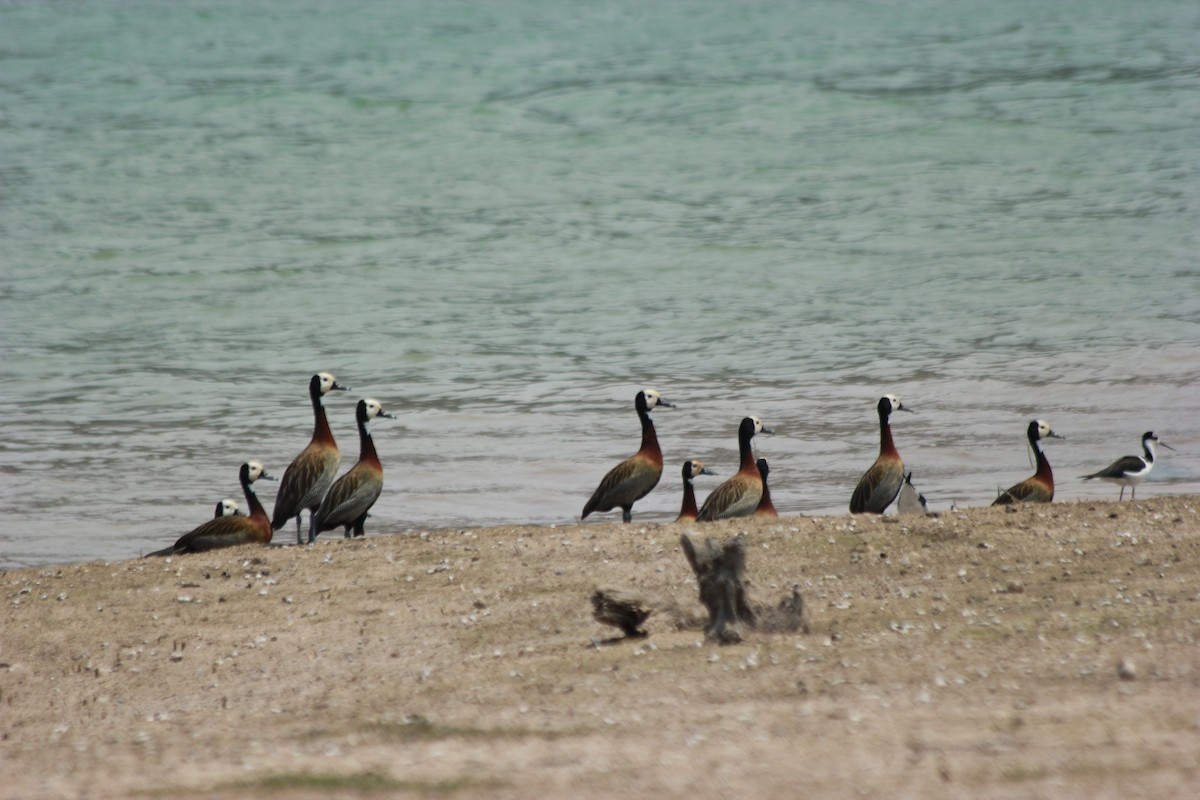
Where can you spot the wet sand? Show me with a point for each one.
(1047, 651)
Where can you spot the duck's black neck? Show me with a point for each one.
(745, 435)
(366, 445)
(256, 508)
(321, 431)
(689, 510)
(1043, 463)
(649, 437)
(886, 445)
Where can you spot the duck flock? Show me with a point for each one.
(311, 481)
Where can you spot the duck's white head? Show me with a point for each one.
(328, 383)
(654, 399)
(1045, 432)
(370, 408)
(890, 403)
(256, 471)
(759, 427)
(228, 508)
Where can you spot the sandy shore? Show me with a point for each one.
(972, 654)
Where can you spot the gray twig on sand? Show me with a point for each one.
(720, 571)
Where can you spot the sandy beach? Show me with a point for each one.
(1046, 651)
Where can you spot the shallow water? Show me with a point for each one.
(501, 221)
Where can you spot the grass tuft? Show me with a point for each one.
(359, 783)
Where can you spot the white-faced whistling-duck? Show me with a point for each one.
(880, 484)
(739, 495)
(1039, 487)
(352, 495)
(311, 473)
(636, 476)
(230, 531)
(692, 468)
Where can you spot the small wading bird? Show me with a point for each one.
(352, 495)
(1131, 470)
(739, 495)
(636, 476)
(687, 513)
(1039, 487)
(880, 484)
(311, 473)
(911, 501)
(229, 531)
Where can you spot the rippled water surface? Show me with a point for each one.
(502, 219)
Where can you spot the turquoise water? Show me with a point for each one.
(502, 219)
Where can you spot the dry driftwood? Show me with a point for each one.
(720, 571)
(628, 609)
(623, 609)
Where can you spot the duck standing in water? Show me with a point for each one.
(636, 476)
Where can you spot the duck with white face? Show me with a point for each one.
(352, 495)
(636, 476)
(738, 496)
(880, 484)
(230, 530)
(691, 469)
(1039, 487)
(227, 508)
(311, 473)
(766, 507)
